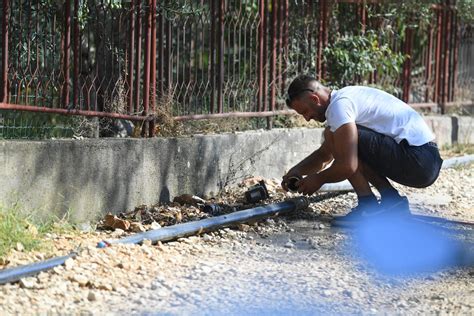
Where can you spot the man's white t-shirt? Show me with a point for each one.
(379, 111)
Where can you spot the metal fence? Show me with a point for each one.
(204, 59)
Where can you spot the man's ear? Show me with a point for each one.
(315, 98)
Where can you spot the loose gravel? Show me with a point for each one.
(295, 264)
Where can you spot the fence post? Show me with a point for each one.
(161, 54)
(285, 43)
(439, 30)
(138, 56)
(447, 45)
(131, 54)
(146, 69)
(428, 66)
(457, 40)
(5, 28)
(67, 45)
(153, 66)
(322, 37)
(265, 54)
(75, 78)
(273, 66)
(261, 15)
(212, 54)
(220, 84)
(407, 50)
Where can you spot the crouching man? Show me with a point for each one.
(371, 136)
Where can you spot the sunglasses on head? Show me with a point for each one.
(293, 96)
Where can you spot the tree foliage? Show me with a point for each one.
(352, 58)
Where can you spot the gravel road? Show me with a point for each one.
(286, 265)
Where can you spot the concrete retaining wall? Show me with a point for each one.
(93, 176)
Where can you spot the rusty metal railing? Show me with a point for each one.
(201, 59)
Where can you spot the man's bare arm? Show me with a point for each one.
(316, 161)
(344, 149)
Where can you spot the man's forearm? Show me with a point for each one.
(335, 173)
(313, 163)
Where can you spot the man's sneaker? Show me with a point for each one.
(358, 214)
(388, 209)
(398, 206)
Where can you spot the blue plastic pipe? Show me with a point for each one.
(15, 274)
(212, 223)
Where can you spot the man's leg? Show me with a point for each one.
(358, 180)
(389, 195)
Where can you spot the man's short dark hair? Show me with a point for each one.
(300, 83)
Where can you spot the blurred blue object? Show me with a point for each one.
(403, 245)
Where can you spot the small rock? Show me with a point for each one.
(69, 264)
(290, 245)
(4, 261)
(137, 227)
(321, 226)
(243, 227)
(118, 232)
(85, 227)
(28, 283)
(206, 237)
(155, 225)
(19, 246)
(188, 199)
(113, 221)
(82, 280)
(146, 242)
(92, 296)
(326, 293)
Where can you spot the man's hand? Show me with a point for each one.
(310, 184)
(294, 172)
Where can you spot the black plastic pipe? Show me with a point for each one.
(212, 223)
(15, 274)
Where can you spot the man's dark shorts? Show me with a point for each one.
(414, 166)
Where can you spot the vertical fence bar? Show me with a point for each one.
(273, 66)
(273, 55)
(308, 14)
(429, 56)
(220, 84)
(265, 56)
(138, 56)
(5, 37)
(447, 41)
(363, 16)
(146, 68)
(279, 32)
(153, 66)
(261, 15)
(327, 7)
(285, 43)
(452, 36)
(66, 47)
(439, 31)
(75, 78)
(131, 54)
(212, 53)
(169, 57)
(457, 34)
(161, 52)
(321, 31)
(407, 64)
